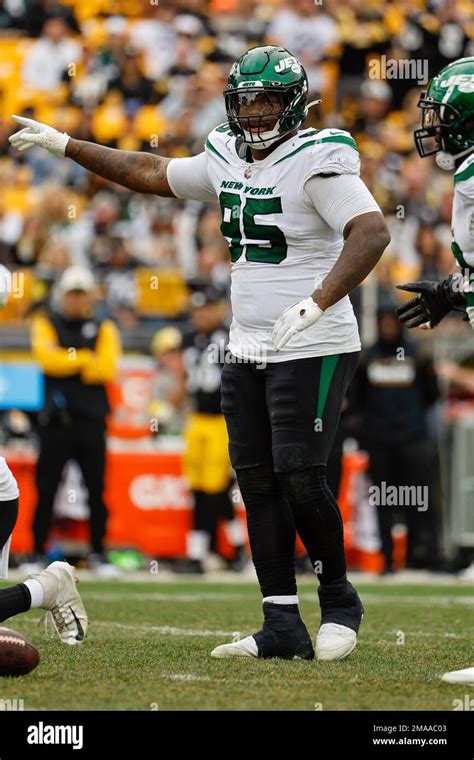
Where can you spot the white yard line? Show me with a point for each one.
(167, 630)
(369, 598)
(163, 630)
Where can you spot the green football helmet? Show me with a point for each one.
(275, 73)
(447, 124)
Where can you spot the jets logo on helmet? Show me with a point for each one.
(271, 72)
(288, 63)
(447, 125)
(464, 82)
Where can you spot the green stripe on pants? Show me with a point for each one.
(328, 366)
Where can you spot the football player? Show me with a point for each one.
(303, 231)
(53, 589)
(447, 131)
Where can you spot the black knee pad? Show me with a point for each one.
(313, 505)
(305, 485)
(255, 484)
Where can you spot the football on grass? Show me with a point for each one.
(18, 656)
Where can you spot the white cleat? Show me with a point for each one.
(465, 676)
(244, 648)
(65, 613)
(334, 641)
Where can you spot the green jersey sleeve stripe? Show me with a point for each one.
(339, 139)
(466, 174)
(214, 150)
(308, 134)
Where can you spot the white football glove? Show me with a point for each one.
(35, 133)
(293, 320)
(470, 314)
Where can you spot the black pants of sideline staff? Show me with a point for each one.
(407, 464)
(81, 439)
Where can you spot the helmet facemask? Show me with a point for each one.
(275, 120)
(438, 121)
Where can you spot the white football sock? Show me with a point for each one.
(282, 599)
(37, 592)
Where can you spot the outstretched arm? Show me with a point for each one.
(141, 172)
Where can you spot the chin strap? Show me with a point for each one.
(447, 161)
(310, 105)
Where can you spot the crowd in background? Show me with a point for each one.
(145, 75)
(149, 76)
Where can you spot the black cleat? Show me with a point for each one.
(340, 603)
(283, 635)
(341, 615)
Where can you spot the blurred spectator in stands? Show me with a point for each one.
(91, 235)
(373, 106)
(362, 32)
(393, 390)
(100, 65)
(206, 459)
(208, 90)
(438, 34)
(213, 264)
(155, 36)
(428, 248)
(308, 32)
(460, 377)
(171, 404)
(187, 54)
(50, 56)
(135, 89)
(38, 12)
(78, 355)
(53, 259)
(48, 217)
(7, 21)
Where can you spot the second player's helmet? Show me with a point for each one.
(274, 72)
(447, 125)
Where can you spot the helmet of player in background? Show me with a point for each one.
(447, 123)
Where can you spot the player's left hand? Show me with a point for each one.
(295, 319)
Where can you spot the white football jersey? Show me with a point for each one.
(281, 247)
(463, 214)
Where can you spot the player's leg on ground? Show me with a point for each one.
(53, 589)
(269, 522)
(15, 599)
(305, 398)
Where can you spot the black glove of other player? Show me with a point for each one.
(433, 302)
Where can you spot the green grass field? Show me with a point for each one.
(149, 643)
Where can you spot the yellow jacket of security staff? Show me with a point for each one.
(78, 357)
